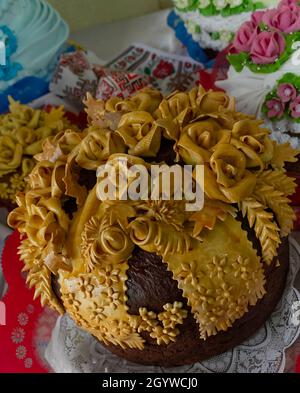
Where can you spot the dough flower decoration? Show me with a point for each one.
(171, 212)
(198, 139)
(11, 155)
(108, 114)
(179, 112)
(45, 221)
(96, 148)
(43, 249)
(42, 174)
(214, 101)
(40, 217)
(208, 216)
(94, 249)
(60, 145)
(178, 103)
(146, 100)
(226, 178)
(22, 133)
(153, 236)
(103, 240)
(254, 142)
(140, 133)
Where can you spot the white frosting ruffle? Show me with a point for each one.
(211, 24)
(279, 131)
(216, 23)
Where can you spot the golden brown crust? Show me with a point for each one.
(207, 252)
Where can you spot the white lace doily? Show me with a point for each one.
(73, 351)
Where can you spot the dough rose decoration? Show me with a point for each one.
(22, 133)
(266, 42)
(80, 248)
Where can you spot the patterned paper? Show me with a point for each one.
(137, 67)
(168, 72)
(120, 84)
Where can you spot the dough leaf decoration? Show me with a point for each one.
(208, 216)
(279, 180)
(283, 153)
(279, 204)
(264, 225)
(38, 276)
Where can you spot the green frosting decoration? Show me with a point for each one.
(193, 4)
(239, 61)
(211, 10)
(215, 35)
(197, 29)
(247, 6)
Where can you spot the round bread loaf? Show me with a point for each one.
(157, 280)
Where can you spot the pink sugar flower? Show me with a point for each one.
(256, 17)
(285, 19)
(276, 108)
(286, 92)
(244, 37)
(288, 3)
(267, 47)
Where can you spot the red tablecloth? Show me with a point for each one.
(18, 352)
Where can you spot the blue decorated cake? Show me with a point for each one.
(32, 35)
